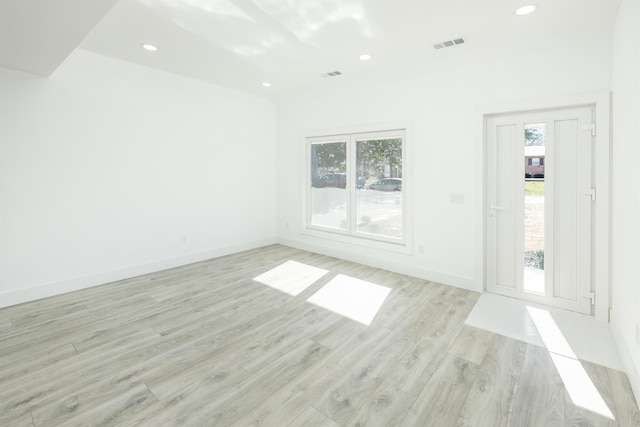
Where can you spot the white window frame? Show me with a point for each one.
(351, 235)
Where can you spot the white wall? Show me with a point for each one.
(108, 170)
(443, 104)
(625, 314)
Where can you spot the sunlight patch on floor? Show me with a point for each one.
(291, 277)
(353, 298)
(582, 391)
(550, 333)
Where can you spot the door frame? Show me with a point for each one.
(601, 221)
(573, 178)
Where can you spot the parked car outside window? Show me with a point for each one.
(338, 180)
(387, 184)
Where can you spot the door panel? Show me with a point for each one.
(507, 250)
(565, 195)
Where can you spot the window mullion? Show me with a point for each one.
(351, 182)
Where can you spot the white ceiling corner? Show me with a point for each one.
(37, 35)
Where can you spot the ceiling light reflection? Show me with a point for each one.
(305, 19)
(214, 7)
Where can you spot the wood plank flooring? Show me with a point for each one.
(205, 344)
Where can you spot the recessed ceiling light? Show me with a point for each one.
(525, 10)
(149, 47)
(365, 57)
(266, 84)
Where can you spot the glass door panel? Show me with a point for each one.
(534, 207)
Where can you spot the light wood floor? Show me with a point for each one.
(206, 345)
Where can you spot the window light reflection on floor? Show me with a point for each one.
(291, 277)
(353, 298)
(582, 391)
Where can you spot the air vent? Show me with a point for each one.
(332, 74)
(448, 43)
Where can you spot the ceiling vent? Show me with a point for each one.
(332, 74)
(448, 43)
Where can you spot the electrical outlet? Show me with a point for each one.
(183, 239)
(286, 225)
(637, 334)
(420, 249)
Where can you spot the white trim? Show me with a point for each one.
(20, 296)
(601, 234)
(348, 254)
(627, 359)
(602, 231)
(361, 128)
(399, 247)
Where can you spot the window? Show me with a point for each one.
(355, 185)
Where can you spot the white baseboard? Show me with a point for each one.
(435, 276)
(20, 296)
(627, 360)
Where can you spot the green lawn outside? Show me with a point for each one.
(534, 188)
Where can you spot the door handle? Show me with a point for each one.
(591, 193)
(493, 210)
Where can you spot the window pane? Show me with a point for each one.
(534, 198)
(379, 187)
(328, 185)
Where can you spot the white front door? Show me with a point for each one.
(539, 203)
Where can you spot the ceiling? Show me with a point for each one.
(290, 43)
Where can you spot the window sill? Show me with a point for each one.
(397, 247)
